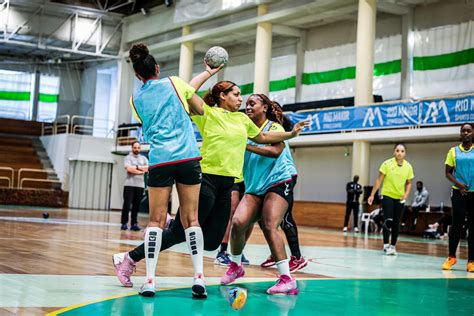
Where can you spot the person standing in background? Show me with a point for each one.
(136, 166)
(354, 190)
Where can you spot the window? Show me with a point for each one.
(48, 98)
(16, 100)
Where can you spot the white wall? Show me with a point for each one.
(324, 171)
(64, 147)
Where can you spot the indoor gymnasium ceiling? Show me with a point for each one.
(31, 38)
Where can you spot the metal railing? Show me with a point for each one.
(126, 140)
(10, 179)
(57, 125)
(20, 185)
(77, 124)
(22, 170)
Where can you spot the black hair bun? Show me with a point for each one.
(138, 52)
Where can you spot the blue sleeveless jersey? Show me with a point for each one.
(464, 171)
(289, 160)
(160, 106)
(261, 173)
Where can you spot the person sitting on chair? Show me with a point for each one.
(420, 203)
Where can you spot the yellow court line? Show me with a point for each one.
(76, 306)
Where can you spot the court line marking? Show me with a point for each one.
(72, 307)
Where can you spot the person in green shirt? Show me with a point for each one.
(460, 171)
(396, 175)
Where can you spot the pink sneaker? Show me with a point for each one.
(124, 268)
(233, 273)
(270, 262)
(296, 264)
(285, 285)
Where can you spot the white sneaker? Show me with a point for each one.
(391, 251)
(356, 230)
(344, 229)
(199, 287)
(148, 288)
(385, 247)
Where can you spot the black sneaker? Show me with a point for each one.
(135, 228)
(124, 227)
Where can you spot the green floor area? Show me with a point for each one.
(316, 297)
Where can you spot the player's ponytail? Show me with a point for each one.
(144, 64)
(212, 97)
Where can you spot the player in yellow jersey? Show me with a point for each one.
(396, 175)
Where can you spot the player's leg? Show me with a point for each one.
(246, 214)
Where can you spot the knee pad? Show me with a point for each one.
(388, 223)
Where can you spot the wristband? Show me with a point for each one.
(209, 72)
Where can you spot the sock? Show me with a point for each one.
(152, 250)
(223, 247)
(236, 258)
(195, 242)
(283, 267)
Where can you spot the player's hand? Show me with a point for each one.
(463, 188)
(213, 71)
(299, 127)
(370, 200)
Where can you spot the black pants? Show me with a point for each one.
(213, 216)
(463, 205)
(132, 196)
(392, 211)
(352, 207)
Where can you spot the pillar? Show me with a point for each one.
(186, 57)
(263, 53)
(364, 77)
(407, 55)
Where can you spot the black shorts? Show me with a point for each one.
(188, 172)
(240, 187)
(284, 189)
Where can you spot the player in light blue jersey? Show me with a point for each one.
(268, 192)
(163, 107)
(288, 225)
(459, 170)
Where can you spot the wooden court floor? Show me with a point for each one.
(47, 264)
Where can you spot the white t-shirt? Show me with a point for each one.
(135, 180)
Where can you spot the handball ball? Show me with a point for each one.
(216, 56)
(237, 297)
